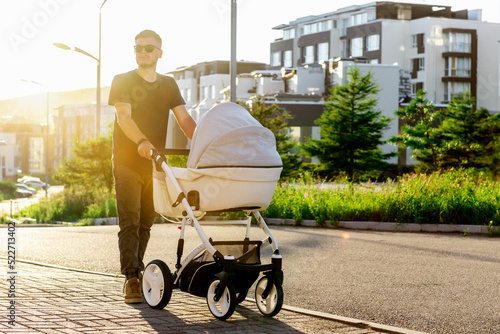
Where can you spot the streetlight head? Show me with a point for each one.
(62, 46)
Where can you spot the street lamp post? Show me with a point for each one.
(233, 62)
(98, 93)
(98, 59)
(98, 111)
(47, 135)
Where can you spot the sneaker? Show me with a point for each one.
(132, 291)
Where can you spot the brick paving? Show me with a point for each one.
(59, 300)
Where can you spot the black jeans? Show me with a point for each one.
(136, 214)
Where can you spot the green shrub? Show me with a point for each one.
(72, 204)
(460, 196)
(7, 190)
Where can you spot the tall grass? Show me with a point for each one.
(453, 197)
(73, 204)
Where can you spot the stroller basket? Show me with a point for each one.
(196, 277)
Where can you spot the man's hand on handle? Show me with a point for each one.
(144, 149)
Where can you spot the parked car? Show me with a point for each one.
(33, 182)
(20, 192)
(25, 187)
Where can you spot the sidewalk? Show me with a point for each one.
(52, 299)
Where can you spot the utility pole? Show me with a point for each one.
(233, 66)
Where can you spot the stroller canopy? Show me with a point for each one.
(227, 136)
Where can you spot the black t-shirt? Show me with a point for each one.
(151, 103)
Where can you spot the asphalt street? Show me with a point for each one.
(435, 283)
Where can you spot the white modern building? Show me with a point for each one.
(445, 52)
(77, 122)
(8, 152)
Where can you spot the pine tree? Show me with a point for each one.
(421, 133)
(472, 134)
(275, 119)
(350, 129)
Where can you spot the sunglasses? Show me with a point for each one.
(149, 48)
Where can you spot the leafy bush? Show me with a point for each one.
(7, 190)
(73, 204)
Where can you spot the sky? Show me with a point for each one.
(193, 31)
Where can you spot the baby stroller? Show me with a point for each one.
(233, 166)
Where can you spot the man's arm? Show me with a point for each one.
(186, 122)
(131, 130)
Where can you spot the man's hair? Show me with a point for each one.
(149, 33)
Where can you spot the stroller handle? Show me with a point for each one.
(173, 151)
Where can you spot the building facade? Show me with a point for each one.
(444, 52)
(23, 147)
(76, 122)
(204, 84)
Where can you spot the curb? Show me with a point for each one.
(388, 227)
(354, 225)
(316, 314)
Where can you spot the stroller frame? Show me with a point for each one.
(223, 293)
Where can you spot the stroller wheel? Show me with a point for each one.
(157, 284)
(223, 308)
(270, 306)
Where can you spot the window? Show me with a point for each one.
(309, 54)
(357, 47)
(358, 19)
(325, 25)
(455, 88)
(315, 27)
(345, 24)
(214, 94)
(416, 87)
(36, 154)
(294, 133)
(418, 64)
(414, 41)
(457, 67)
(373, 43)
(417, 41)
(288, 33)
(287, 58)
(323, 53)
(457, 42)
(421, 64)
(276, 58)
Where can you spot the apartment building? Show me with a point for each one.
(444, 52)
(22, 147)
(77, 122)
(204, 84)
(8, 152)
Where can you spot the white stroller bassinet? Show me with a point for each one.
(233, 165)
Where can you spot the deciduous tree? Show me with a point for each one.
(89, 166)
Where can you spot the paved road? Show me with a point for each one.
(425, 282)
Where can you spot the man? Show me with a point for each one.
(142, 99)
